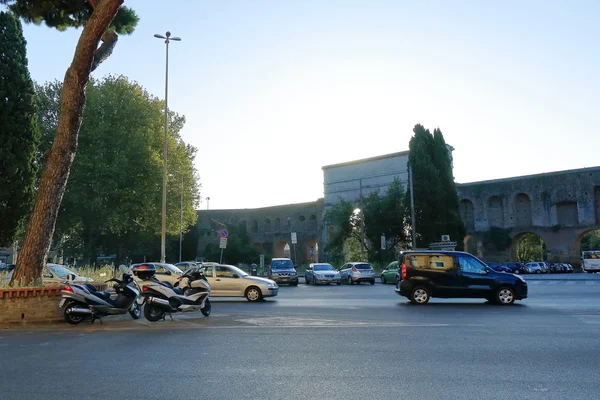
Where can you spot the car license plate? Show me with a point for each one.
(62, 302)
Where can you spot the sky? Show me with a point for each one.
(274, 90)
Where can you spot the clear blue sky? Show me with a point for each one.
(274, 90)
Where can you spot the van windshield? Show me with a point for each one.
(282, 264)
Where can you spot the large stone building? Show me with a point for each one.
(560, 207)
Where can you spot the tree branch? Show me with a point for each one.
(109, 41)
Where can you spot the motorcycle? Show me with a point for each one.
(161, 298)
(84, 300)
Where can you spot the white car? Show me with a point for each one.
(165, 272)
(230, 281)
(57, 274)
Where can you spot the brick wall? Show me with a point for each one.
(32, 305)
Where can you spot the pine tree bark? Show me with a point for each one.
(88, 55)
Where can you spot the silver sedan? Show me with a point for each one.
(322, 273)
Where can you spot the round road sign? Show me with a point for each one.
(224, 233)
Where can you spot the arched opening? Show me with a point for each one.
(495, 212)
(528, 247)
(286, 251)
(597, 203)
(267, 225)
(522, 210)
(467, 214)
(470, 244)
(566, 213)
(302, 218)
(311, 251)
(590, 240)
(330, 233)
(254, 226)
(242, 225)
(279, 249)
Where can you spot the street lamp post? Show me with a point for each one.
(207, 203)
(167, 38)
(181, 219)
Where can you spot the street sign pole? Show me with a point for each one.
(223, 243)
(294, 241)
(221, 260)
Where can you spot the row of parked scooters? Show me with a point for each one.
(137, 290)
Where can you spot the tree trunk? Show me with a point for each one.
(56, 173)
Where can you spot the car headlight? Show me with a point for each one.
(272, 285)
(319, 275)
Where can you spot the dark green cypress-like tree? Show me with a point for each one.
(19, 135)
(435, 196)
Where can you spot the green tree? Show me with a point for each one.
(239, 249)
(102, 20)
(112, 201)
(530, 248)
(435, 196)
(19, 133)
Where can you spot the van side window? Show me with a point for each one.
(432, 262)
(471, 265)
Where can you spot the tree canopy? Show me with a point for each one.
(19, 135)
(382, 215)
(63, 14)
(435, 196)
(112, 201)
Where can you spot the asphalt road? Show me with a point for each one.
(329, 342)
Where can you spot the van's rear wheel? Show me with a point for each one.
(420, 295)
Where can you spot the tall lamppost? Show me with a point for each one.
(167, 38)
(181, 220)
(207, 203)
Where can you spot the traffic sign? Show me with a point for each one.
(294, 238)
(224, 233)
(223, 243)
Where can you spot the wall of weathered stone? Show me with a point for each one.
(560, 207)
(269, 228)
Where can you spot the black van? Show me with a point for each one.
(455, 274)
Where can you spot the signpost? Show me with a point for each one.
(294, 241)
(382, 242)
(223, 243)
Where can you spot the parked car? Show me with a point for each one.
(283, 271)
(568, 268)
(56, 274)
(230, 281)
(454, 274)
(515, 267)
(497, 267)
(321, 273)
(388, 275)
(165, 272)
(534, 267)
(357, 272)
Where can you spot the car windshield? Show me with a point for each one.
(60, 271)
(282, 264)
(323, 267)
(238, 271)
(173, 269)
(363, 266)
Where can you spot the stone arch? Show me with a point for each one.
(302, 218)
(254, 226)
(268, 225)
(330, 232)
(517, 253)
(566, 213)
(580, 239)
(467, 213)
(522, 211)
(279, 249)
(495, 212)
(243, 226)
(597, 203)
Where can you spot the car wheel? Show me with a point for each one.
(70, 317)
(383, 279)
(372, 282)
(253, 293)
(505, 296)
(136, 310)
(538, 272)
(306, 280)
(339, 283)
(517, 272)
(350, 280)
(420, 295)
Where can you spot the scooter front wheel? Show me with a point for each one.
(135, 311)
(153, 313)
(206, 309)
(70, 316)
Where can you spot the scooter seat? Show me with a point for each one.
(91, 288)
(104, 295)
(170, 286)
(178, 290)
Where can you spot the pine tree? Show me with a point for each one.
(435, 196)
(19, 135)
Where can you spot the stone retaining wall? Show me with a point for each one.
(32, 305)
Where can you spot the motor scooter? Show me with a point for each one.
(161, 298)
(81, 301)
